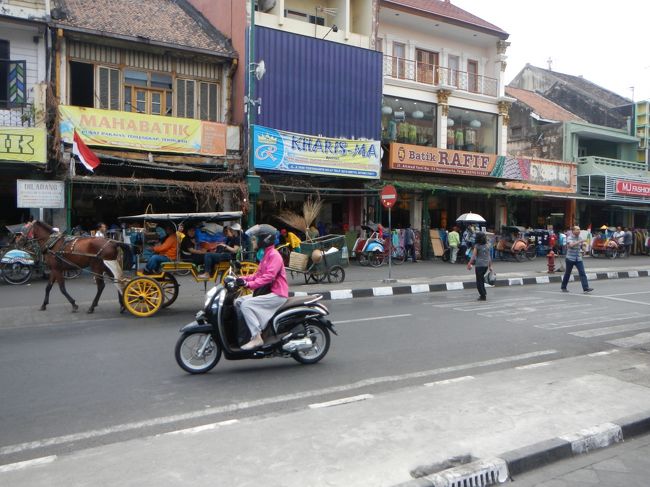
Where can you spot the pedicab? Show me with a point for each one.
(319, 259)
(512, 242)
(145, 294)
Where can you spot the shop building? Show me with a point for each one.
(152, 100)
(23, 85)
(314, 104)
(610, 179)
(444, 114)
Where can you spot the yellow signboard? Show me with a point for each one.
(18, 144)
(152, 133)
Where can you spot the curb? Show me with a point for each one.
(509, 464)
(337, 294)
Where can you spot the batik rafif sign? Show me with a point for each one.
(442, 161)
(276, 150)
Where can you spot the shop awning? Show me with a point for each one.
(433, 188)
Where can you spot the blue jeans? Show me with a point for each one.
(213, 258)
(581, 270)
(153, 264)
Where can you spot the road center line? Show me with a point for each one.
(165, 420)
(387, 317)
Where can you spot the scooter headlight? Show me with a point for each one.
(209, 295)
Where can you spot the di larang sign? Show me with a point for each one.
(276, 150)
(40, 194)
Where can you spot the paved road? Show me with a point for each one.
(623, 465)
(70, 386)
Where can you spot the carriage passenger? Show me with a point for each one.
(190, 250)
(165, 252)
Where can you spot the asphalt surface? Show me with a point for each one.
(455, 377)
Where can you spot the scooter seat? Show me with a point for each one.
(296, 301)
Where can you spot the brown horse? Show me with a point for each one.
(63, 253)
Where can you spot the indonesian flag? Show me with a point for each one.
(85, 155)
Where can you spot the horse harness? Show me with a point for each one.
(56, 237)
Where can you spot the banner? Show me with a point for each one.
(443, 161)
(18, 144)
(276, 150)
(550, 176)
(152, 133)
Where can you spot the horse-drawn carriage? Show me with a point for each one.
(145, 293)
(141, 294)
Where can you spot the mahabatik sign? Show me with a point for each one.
(152, 133)
(549, 176)
(442, 161)
(18, 144)
(277, 150)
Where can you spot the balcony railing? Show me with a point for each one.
(430, 74)
(636, 166)
(18, 117)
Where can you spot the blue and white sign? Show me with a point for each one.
(276, 150)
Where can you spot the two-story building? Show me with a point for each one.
(566, 117)
(24, 43)
(146, 84)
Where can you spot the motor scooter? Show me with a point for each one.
(299, 329)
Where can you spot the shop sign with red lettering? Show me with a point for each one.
(433, 160)
(633, 188)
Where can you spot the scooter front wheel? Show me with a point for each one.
(197, 352)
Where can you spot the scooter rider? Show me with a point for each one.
(258, 308)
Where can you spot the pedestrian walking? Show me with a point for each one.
(628, 238)
(574, 258)
(453, 239)
(482, 261)
(409, 242)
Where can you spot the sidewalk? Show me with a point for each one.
(506, 421)
(19, 305)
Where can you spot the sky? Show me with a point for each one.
(604, 41)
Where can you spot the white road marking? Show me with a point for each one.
(589, 321)
(10, 467)
(644, 303)
(629, 342)
(533, 366)
(338, 402)
(603, 353)
(628, 294)
(382, 291)
(610, 330)
(450, 381)
(204, 427)
(341, 294)
(163, 420)
(387, 317)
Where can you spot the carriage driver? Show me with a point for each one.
(271, 277)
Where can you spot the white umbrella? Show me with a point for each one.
(470, 218)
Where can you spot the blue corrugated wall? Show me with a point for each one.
(316, 87)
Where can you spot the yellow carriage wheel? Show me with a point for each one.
(143, 297)
(169, 286)
(246, 269)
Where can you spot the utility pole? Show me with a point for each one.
(252, 180)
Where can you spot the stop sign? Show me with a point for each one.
(388, 196)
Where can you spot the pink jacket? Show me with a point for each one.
(271, 270)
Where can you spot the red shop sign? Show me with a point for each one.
(633, 188)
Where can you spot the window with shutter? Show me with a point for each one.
(185, 99)
(208, 101)
(109, 88)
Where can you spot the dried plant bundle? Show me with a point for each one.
(292, 219)
(310, 210)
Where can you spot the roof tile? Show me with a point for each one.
(164, 21)
(448, 10)
(543, 107)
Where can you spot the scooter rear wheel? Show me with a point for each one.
(320, 337)
(188, 348)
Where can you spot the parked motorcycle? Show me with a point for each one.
(298, 330)
(17, 266)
